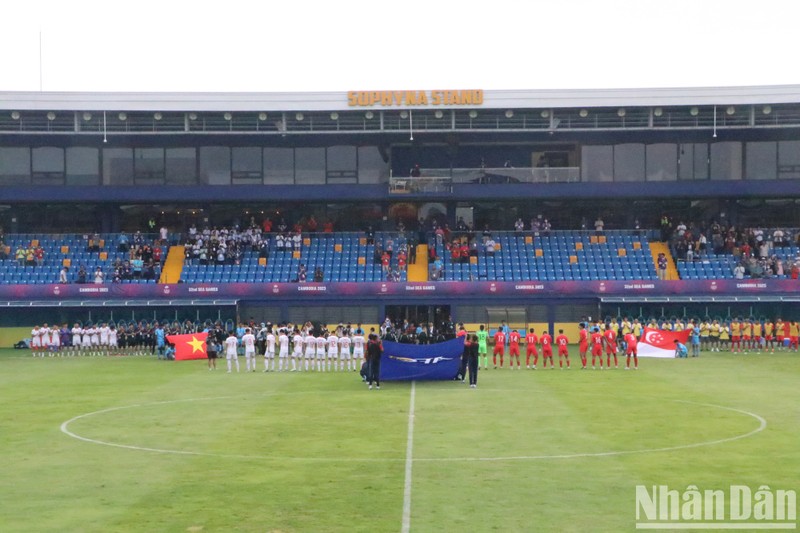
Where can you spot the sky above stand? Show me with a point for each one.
(308, 46)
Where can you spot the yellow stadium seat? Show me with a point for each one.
(102, 243)
(473, 260)
(337, 247)
(601, 239)
(66, 262)
(262, 261)
(573, 259)
(65, 249)
(579, 246)
(34, 243)
(362, 261)
(539, 252)
(528, 239)
(103, 256)
(296, 254)
(307, 241)
(362, 241)
(622, 252)
(593, 239)
(637, 246)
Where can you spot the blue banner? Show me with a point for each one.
(421, 361)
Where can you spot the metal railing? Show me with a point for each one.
(442, 179)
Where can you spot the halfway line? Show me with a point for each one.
(406, 527)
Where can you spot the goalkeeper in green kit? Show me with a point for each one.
(483, 335)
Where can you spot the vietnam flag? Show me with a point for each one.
(189, 346)
(660, 342)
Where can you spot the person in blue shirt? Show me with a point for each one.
(695, 336)
(680, 350)
(160, 340)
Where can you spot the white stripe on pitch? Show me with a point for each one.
(406, 527)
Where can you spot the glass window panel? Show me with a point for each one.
(662, 162)
(47, 165)
(15, 166)
(342, 164)
(117, 166)
(83, 165)
(686, 161)
(215, 165)
(247, 165)
(278, 165)
(761, 161)
(309, 166)
(789, 159)
(181, 166)
(148, 165)
(629, 162)
(726, 161)
(701, 161)
(371, 166)
(597, 163)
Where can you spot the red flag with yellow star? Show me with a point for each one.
(189, 346)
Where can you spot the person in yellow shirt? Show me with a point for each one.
(794, 334)
(736, 335)
(724, 337)
(757, 335)
(626, 326)
(636, 328)
(679, 325)
(780, 332)
(713, 334)
(747, 335)
(705, 329)
(666, 324)
(769, 332)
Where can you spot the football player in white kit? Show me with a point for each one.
(103, 337)
(321, 342)
(283, 356)
(94, 336)
(44, 333)
(344, 353)
(249, 341)
(86, 340)
(76, 338)
(358, 350)
(297, 350)
(269, 354)
(310, 343)
(55, 341)
(112, 339)
(230, 350)
(36, 340)
(333, 351)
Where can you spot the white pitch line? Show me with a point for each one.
(406, 526)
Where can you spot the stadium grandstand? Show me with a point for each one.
(527, 206)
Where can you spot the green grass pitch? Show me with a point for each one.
(289, 452)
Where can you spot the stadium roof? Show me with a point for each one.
(340, 101)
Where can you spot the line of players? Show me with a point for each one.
(94, 340)
(600, 342)
(297, 349)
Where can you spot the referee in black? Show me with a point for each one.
(471, 351)
(374, 352)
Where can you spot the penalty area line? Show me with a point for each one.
(406, 525)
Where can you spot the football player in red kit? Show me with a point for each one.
(531, 340)
(563, 348)
(630, 340)
(499, 347)
(583, 344)
(513, 349)
(547, 349)
(597, 346)
(611, 346)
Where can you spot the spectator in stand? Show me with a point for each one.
(3, 251)
(519, 225)
(163, 233)
(599, 225)
(81, 275)
(438, 269)
(490, 246)
(122, 242)
(266, 226)
(464, 251)
(415, 172)
(301, 273)
(38, 254)
(30, 257)
(461, 225)
(546, 226)
(455, 253)
(319, 275)
(98, 276)
(327, 227)
(385, 262)
(738, 271)
(62, 276)
(662, 266)
(20, 255)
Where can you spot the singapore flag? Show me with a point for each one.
(660, 342)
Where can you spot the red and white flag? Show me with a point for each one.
(660, 342)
